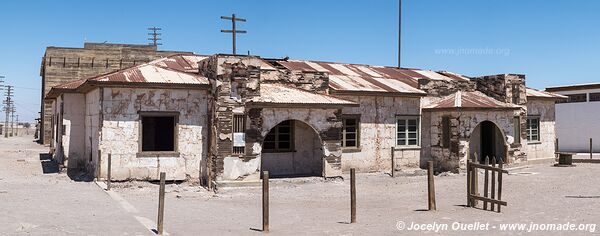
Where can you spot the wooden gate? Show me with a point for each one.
(492, 190)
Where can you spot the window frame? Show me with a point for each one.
(343, 140)
(418, 131)
(594, 97)
(529, 130)
(275, 129)
(175, 115)
(235, 123)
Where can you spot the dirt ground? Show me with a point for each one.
(51, 204)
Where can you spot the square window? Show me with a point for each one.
(407, 131)
(158, 133)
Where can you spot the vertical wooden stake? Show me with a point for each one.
(352, 196)
(591, 149)
(108, 172)
(475, 182)
(393, 162)
(500, 163)
(468, 183)
(485, 183)
(265, 201)
(161, 204)
(493, 193)
(431, 186)
(99, 166)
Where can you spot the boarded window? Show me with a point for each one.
(239, 127)
(533, 129)
(517, 129)
(351, 132)
(158, 133)
(594, 97)
(446, 131)
(280, 138)
(407, 131)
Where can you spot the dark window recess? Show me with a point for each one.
(158, 133)
(445, 131)
(594, 97)
(350, 132)
(516, 93)
(64, 130)
(577, 97)
(280, 138)
(239, 126)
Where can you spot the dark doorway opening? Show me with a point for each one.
(158, 133)
(488, 140)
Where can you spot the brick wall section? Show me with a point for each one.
(500, 87)
(61, 64)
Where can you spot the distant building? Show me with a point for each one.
(578, 117)
(63, 64)
(226, 118)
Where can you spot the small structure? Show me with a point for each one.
(226, 118)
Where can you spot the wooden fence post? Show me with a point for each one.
(265, 201)
(485, 182)
(108, 170)
(352, 196)
(161, 204)
(500, 164)
(431, 186)
(591, 149)
(99, 165)
(493, 193)
(393, 172)
(468, 183)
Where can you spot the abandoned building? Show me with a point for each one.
(223, 118)
(64, 64)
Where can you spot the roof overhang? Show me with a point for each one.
(252, 104)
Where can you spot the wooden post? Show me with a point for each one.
(468, 183)
(475, 182)
(500, 163)
(393, 162)
(493, 193)
(591, 149)
(431, 186)
(161, 204)
(99, 166)
(556, 149)
(485, 183)
(265, 201)
(108, 172)
(352, 196)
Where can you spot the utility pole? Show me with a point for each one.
(12, 119)
(17, 134)
(399, 32)
(7, 108)
(154, 34)
(2, 88)
(233, 30)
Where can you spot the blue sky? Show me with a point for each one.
(551, 42)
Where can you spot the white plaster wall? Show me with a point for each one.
(545, 147)
(576, 123)
(74, 121)
(378, 133)
(121, 132)
(92, 134)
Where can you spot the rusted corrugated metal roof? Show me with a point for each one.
(473, 100)
(275, 94)
(71, 85)
(152, 73)
(531, 92)
(182, 62)
(366, 78)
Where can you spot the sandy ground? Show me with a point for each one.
(51, 204)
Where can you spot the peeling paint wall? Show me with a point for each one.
(378, 133)
(121, 132)
(545, 110)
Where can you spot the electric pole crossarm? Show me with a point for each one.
(233, 30)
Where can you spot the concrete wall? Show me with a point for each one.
(72, 147)
(378, 133)
(577, 122)
(545, 109)
(121, 132)
(92, 132)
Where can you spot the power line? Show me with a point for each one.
(233, 30)
(154, 33)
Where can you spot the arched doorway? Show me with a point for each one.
(292, 149)
(487, 140)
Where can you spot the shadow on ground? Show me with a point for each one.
(50, 166)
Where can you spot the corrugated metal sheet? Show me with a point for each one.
(71, 85)
(543, 94)
(365, 78)
(281, 94)
(152, 73)
(470, 100)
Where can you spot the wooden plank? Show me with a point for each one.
(500, 164)
(430, 187)
(265, 201)
(161, 204)
(485, 183)
(493, 188)
(352, 196)
(503, 203)
(468, 183)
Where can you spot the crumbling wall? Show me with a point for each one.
(503, 87)
(378, 133)
(121, 132)
(463, 124)
(545, 110)
(317, 82)
(442, 88)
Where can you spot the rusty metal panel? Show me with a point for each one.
(281, 94)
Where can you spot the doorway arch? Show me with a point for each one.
(487, 140)
(292, 148)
